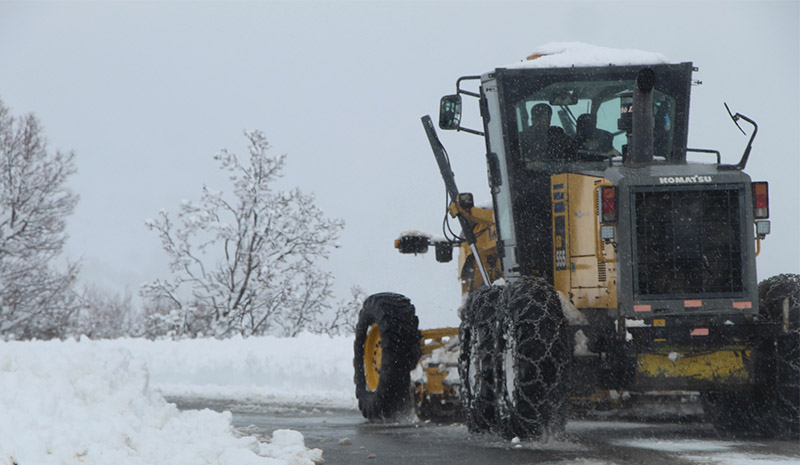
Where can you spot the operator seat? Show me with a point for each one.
(540, 140)
(588, 137)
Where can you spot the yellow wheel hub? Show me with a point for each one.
(373, 354)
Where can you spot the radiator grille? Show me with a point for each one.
(688, 242)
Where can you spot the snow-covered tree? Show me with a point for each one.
(244, 263)
(106, 315)
(36, 299)
(343, 322)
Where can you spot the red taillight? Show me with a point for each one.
(760, 200)
(608, 196)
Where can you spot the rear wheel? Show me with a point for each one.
(534, 353)
(733, 413)
(386, 348)
(779, 302)
(772, 408)
(477, 358)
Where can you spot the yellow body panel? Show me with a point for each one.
(435, 373)
(433, 339)
(581, 271)
(486, 235)
(730, 365)
(434, 381)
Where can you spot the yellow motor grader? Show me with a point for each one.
(608, 262)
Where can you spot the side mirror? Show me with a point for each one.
(450, 112)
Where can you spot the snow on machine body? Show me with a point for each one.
(607, 263)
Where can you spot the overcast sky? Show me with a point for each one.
(147, 93)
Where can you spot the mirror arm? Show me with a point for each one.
(471, 131)
(459, 90)
(746, 154)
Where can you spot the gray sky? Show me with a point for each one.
(146, 93)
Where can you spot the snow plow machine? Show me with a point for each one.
(608, 264)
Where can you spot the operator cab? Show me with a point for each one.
(593, 108)
(588, 112)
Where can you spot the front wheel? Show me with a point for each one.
(386, 348)
(534, 351)
(477, 358)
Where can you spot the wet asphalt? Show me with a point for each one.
(346, 438)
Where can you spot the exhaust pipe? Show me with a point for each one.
(643, 121)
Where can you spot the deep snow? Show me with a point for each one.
(100, 402)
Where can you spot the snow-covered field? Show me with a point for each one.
(101, 402)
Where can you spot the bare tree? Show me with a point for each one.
(106, 315)
(245, 264)
(162, 318)
(36, 300)
(343, 322)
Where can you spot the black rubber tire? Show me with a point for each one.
(534, 355)
(400, 345)
(775, 293)
(779, 298)
(733, 413)
(477, 358)
(772, 408)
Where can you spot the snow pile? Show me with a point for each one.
(88, 402)
(307, 369)
(568, 54)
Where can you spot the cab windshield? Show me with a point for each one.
(586, 121)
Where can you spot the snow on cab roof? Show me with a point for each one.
(578, 54)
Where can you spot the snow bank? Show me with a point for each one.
(568, 54)
(306, 369)
(91, 402)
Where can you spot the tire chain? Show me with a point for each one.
(541, 350)
(477, 337)
(775, 293)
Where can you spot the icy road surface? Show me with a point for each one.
(346, 438)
